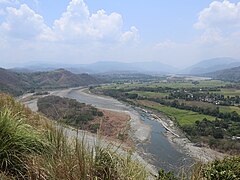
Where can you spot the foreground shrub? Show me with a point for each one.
(227, 169)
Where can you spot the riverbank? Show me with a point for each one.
(177, 138)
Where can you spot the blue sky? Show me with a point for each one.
(174, 32)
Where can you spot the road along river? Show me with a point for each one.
(147, 133)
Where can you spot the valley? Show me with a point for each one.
(119, 90)
(166, 122)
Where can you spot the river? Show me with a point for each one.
(163, 153)
(157, 149)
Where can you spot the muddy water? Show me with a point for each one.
(158, 149)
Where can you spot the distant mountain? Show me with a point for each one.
(137, 67)
(21, 70)
(232, 74)
(104, 67)
(211, 65)
(19, 83)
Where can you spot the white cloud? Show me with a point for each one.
(24, 23)
(132, 35)
(223, 16)
(220, 23)
(74, 21)
(77, 23)
(106, 26)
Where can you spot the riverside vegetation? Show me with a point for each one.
(70, 112)
(207, 110)
(82, 116)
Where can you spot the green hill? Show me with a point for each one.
(19, 83)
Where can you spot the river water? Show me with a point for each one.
(158, 149)
(163, 154)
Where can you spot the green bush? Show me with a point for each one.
(227, 169)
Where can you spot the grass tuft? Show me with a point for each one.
(18, 140)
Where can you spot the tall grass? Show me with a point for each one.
(18, 140)
(73, 158)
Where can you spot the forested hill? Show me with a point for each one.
(232, 74)
(19, 83)
(14, 83)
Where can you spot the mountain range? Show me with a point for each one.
(151, 67)
(104, 67)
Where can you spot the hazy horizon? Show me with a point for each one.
(65, 64)
(176, 33)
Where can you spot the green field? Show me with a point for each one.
(183, 117)
(222, 109)
(150, 94)
(229, 92)
(202, 83)
(229, 109)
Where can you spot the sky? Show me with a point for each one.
(178, 33)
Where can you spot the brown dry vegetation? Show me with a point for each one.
(113, 124)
